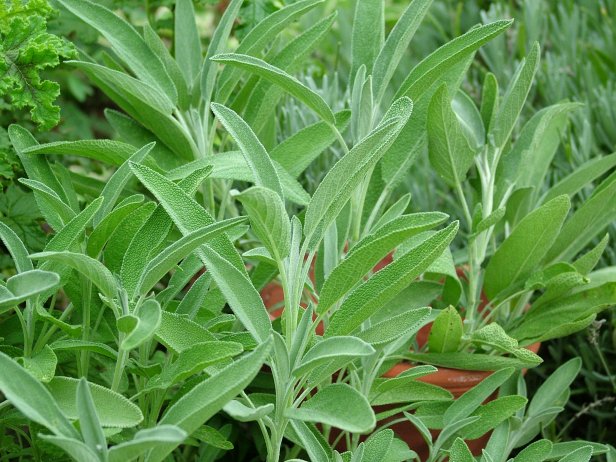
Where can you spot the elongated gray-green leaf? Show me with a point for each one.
(450, 152)
(437, 63)
(279, 77)
(520, 254)
(255, 154)
(219, 256)
(366, 299)
(204, 400)
(515, 97)
(340, 182)
(32, 399)
(369, 251)
(126, 42)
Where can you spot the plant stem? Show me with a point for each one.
(119, 367)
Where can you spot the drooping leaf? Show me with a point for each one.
(279, 77)
(126, 42)
(113, 409)
(338, 405)
(32, 399)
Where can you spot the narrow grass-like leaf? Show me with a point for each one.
(92, 269)
(32, 399)
(255, 154)
(365, 300)
(278, 77)
(126, 42)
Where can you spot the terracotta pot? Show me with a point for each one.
(456, 381)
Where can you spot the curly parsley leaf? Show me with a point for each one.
(26, 50)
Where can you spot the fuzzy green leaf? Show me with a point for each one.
(338, 405)
(521, 253)
(446, 332)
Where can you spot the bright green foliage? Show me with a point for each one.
(26, 50)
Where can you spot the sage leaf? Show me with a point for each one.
(333, 348)
(126, 42)
(520, 254)
(146, 440)
(269, 219)
(279, 77)
(446, 332)
(32, 399)
(113, 409)
(338, 405)
(369, 251)
(89, 424)
(255, 154)
(340, 182)
(450, 152)
(366, 299)
(203, 401)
